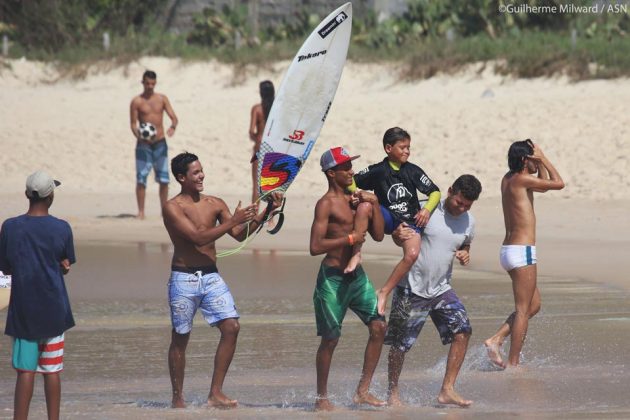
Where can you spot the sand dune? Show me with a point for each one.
(78, 129)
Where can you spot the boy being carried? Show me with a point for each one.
(396, 182)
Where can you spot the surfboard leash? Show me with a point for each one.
(266, 217)
(269, 214)
(280, 214)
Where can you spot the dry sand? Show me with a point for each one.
(78, 130)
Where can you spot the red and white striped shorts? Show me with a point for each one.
(44, 355)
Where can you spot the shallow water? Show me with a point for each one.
(115, 365)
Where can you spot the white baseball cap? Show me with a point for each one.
(40, 185)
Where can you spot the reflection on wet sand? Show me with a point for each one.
(575, 360)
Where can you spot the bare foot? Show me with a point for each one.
(494, 353)
(451, 397)
(518, 369)
(355, 260)
(369, 399)
(381, 301)
(219, 400)
(178, 403)
(140, 216)
(394, 400)
(323, 404)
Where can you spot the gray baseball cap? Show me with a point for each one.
(40, 185)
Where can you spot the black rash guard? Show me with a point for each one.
(396, 190)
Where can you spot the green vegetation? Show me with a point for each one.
(433, 36)
(530, 54)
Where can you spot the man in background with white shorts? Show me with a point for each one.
(518, 253)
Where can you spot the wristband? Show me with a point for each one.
(350, 240)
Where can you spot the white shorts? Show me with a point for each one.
(515, 256)
(206, 291)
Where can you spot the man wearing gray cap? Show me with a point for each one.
(337, 291)
(37, 250)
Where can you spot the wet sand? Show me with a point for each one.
(575, 356)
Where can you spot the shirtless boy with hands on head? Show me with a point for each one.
(518, 253)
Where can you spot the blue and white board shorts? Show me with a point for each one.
(207, 291)
(152, 156)
(516, 256)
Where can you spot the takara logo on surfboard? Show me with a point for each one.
(330, 26)
(311, 55)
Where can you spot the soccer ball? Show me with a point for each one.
(147, 131)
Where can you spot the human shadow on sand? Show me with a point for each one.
(116, 216)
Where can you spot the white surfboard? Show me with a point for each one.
(5, 290)
(303, 101)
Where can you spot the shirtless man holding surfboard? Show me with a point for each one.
(194, 222)
(332, 234)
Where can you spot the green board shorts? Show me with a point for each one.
(335, 293)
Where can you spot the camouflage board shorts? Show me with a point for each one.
(410, 312)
